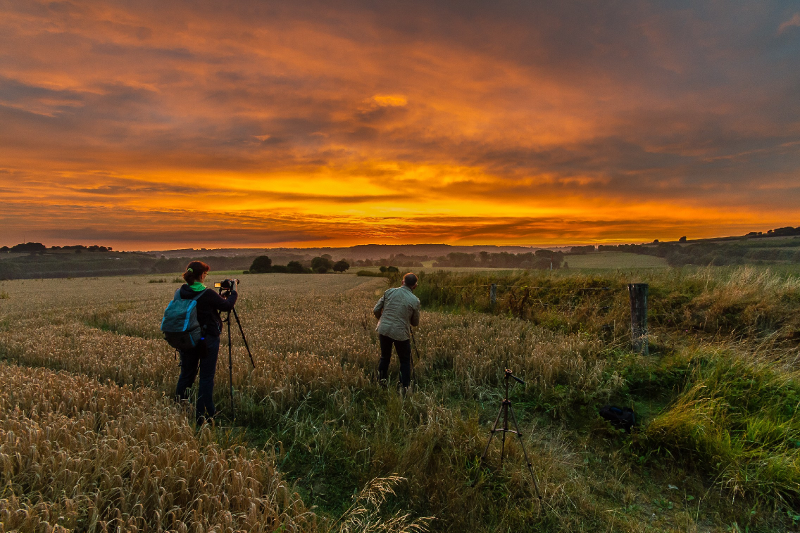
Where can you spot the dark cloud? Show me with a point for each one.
(509, 105)
(233, 235)
(222, 194)
(16, 92)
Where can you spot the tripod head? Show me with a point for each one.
(510, 374)
(508, 377)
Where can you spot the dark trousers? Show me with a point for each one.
(204, 359)
(403, 353)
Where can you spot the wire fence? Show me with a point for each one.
(564, 307)
(614, 296)
(740, 305)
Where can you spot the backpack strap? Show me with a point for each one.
(178, 295)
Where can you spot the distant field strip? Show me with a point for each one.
(615, 260)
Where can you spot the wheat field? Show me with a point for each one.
(90, 439)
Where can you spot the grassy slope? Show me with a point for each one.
(601, 260)
(311, 403)
(614, 260)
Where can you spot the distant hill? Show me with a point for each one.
(774, 247)
(361, 251)
(35, 260)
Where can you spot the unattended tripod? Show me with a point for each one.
(505, 408)
(230, 351)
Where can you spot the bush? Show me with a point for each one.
(294, 267)
(321, 264)
(261, 264)
(341, 266)
(282, 269)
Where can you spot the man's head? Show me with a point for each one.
(410, 281)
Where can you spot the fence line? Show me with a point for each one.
(522, 287)
(637, 293)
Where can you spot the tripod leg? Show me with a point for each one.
(241, 330)
(505, 430)
(525, 453)
(491, 435)
(230, 366)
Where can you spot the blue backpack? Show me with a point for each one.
(180, 325)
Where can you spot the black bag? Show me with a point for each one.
(620, 417)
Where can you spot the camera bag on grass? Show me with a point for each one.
(620, 418)
(180, 325)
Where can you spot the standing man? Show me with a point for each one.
(397, 311)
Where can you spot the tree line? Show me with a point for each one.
(538, 260)
(39, 248)
(709, 253)
(320, 265)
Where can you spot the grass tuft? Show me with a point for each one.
(737, 419)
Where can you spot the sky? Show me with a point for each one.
(164, 124)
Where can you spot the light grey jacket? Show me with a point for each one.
(398, 310)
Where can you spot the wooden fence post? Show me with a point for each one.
(493, 295)
(524, 301)
(638, 296)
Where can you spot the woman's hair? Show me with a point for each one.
(194, 270)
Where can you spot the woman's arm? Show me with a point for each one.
(218, 302)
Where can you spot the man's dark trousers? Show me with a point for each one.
(403, 353)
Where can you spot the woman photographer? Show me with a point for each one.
(204, 356)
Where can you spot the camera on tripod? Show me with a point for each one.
(225, 287)
(227, 284)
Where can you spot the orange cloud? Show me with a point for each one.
(793, 22)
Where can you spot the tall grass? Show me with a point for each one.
(748, 302)
(737, 418)
(80, 455)
(566, 303)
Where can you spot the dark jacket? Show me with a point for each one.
(208, 307)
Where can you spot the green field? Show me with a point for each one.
(89, 439)
(597, 260)
(614, 260)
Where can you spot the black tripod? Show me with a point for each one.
(506, 408)
(230, 352)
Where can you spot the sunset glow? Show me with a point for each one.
(149, 125)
